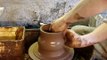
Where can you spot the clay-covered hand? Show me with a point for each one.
(59, 25)
(72, 39)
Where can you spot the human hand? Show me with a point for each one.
(72, 39)
(59, 25)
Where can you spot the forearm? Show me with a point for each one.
(84, 9)
(98, 35)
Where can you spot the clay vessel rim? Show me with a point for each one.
(48, 32)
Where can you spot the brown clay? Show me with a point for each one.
(51, 46)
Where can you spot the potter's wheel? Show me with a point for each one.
(34, 54)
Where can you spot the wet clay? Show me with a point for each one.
(51, 46)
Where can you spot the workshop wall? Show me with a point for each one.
(30, 12)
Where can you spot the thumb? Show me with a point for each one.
(69, 36)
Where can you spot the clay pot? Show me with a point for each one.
(51, 45)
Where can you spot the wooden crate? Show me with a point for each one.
(11, 43)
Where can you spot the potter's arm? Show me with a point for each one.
(98, 35)
(84, 9)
